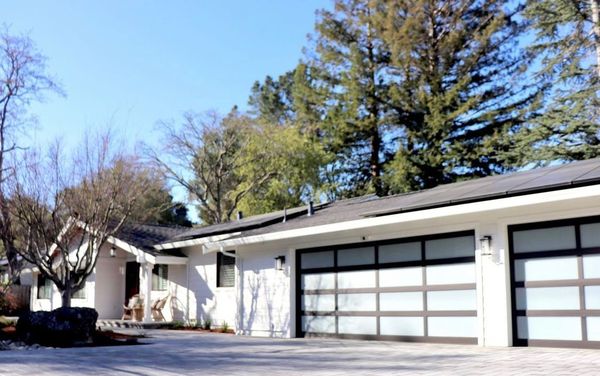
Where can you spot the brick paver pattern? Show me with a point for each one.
(188, 353)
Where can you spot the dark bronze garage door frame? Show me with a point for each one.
(376, 266)
(579, 282)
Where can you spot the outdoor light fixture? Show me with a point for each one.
(279, 262)
(486, 245)
(113, 252)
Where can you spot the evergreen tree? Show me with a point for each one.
(458, 91)
(567, 48)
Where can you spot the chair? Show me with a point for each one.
(157, 308)
(128, 309)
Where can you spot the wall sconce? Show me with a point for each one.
(486, 245)
(113, 252)
(279, 262)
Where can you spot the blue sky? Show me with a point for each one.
(131, 63)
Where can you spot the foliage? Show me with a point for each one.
(8, 302)
(566, 47)
(224, 327)
(207, 323)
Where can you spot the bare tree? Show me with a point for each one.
(208, 156)
(23, 79)
(66, 206)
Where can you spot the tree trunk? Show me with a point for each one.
(595, 9)
(66, 296)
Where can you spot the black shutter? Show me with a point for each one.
(225, 270)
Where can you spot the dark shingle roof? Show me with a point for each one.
(145, 236)
(500, 186)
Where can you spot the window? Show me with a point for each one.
(80, 294)
(44, 287)
(160, 275)
(225, 270)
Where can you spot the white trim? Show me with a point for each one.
(470, 208)
(197, 241)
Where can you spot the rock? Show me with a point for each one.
(63, 327)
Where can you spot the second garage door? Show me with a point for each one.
(417, 289)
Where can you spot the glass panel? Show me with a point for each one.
(455, 300)
(401, 301)
(355, 280)
(590, 235)
(463, 246)
(357, 325)
(591, 266)
(450, 274)
(400, 252)
(316, 260)
(548, 298)
(401, 326)
(401, 277)
(557, 328)
(546, 239)
(544, 269)
(320, 281)
(593, 328)
(452, 326)
(592, 297)
(318, 324)
(323, 303)
(357, 302)
(356, 256)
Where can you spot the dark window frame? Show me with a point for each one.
(44, 287)
(80, 294)
(224, 261)
(160, 277)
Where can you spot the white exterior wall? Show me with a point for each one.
(206, 300)
(175, 309)
(263, 294)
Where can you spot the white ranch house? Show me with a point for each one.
(499, 261)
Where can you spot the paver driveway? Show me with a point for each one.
(185, 353)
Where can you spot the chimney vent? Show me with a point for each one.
(311, 208)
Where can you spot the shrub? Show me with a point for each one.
(8, 302)
(207, 324)
(224, 327)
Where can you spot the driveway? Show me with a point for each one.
(186, 353)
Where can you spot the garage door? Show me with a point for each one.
(555, 272)
(417, 289)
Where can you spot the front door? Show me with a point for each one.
(132, 280)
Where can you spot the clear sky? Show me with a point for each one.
(133, 62)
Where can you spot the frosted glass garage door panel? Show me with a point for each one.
(357, 325)
(534, 298)
(452, 326)
(398, 277)
(317, 260)
(357, 302)
(401, 326)
(356, 280)
(323, 303)
(454, 300)
(401, 301)
(320, 281)
(590, 235)
(592, 297)
(591, 266)
(399, 252)
(318, 324)
(544, 269)
(593, 328)
(450, 274)
(356, 256)
(463, 246)
(546, 239)
(551, 328)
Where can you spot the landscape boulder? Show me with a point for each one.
(63, 327)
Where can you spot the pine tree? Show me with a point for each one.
(567, 48)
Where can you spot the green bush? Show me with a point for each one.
(207, 323)
(224, 327)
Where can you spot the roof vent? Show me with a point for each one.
(240, 215)
(311, 208)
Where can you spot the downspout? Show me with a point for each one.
(229, 254)
(187, 291)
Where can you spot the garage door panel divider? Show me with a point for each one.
(400, 296)
(548, 302)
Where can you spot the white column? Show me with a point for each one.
(146, 288)
(291, 270)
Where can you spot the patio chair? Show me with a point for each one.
(157, 308)
(128, 309)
